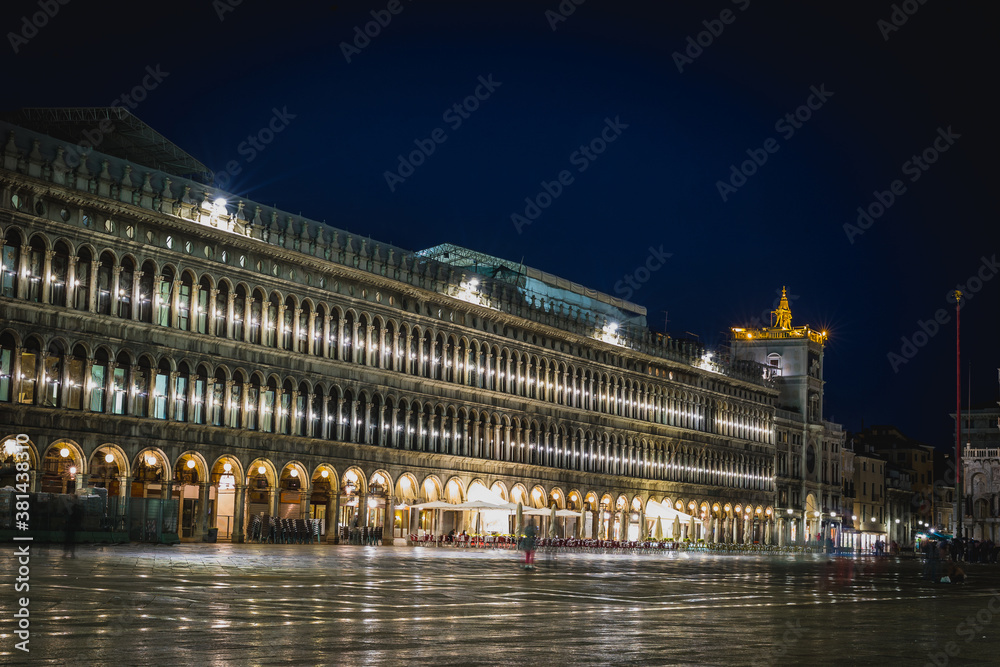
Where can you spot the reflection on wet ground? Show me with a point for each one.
(294, 604)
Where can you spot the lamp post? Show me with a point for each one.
(958, 411)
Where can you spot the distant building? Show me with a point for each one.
(869, 518)
(909, 481)
(807, 448)
(981, 473)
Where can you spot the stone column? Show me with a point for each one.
(47, 275)
(334, 523)
(227, 407)
(238, 511)
(92, 290)
(304, 496)
(247, 318)
(71, 281)
(388, 522)
(175, 297)
(137, 295)
(311, 334)
(116, 281)
(326, 336)
(201, 520)
(212, 326)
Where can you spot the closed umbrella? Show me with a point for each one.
(747, 532)
(582, 528)
(623, 525)
(767, 533)
(658, 530)
(519, 520)
(643, 533)
(479, 522)
(600, 523)
(708, 523)
(552, 522)
(691, 532)
(677, 527)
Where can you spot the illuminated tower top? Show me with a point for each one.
(781, 327)
(782, 317)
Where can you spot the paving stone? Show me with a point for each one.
(294, 604)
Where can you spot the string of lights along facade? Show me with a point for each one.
(160, 338)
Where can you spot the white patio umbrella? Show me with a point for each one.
(600, 524)
(677, 528)
(658, 530)
(552, 522)
(643, 533)
(708, 523)
(519, 520)
(747, 532)
(623, 525)
(582, 528)
(691, 532)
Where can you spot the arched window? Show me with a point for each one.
(163, 299)
(7, 350)
(239, 313)
(236, 401)
(201, 315)
(57, 275)
(146, 292)
(10, 263)
(221, 308)
(197, 415)
(125, 280)
(52, 376)
(255, 317)
(302, 409)
(120, 384)
(141, 380)
(184, 305)
(217, 402)
(96, 383)
(253, 403)
(161, 390)
(181, 385)
(270, 392)
(104, 276)
(36, 266)
(29, 358)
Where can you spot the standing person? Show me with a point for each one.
(73, 519)
(528, 544)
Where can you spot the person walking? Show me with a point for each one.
(528, 544)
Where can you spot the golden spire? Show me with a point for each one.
(783, 315)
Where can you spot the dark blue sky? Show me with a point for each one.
(655, 185)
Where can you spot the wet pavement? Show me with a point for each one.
(294, 604)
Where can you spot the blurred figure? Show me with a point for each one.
(73, 520)
(528, 544)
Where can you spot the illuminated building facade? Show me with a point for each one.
(807, 447)
(160, 338)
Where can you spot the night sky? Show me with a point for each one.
(881, 94)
